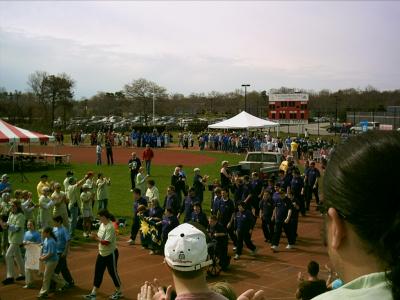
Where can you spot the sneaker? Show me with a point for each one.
(90, 296)
(85, 235)
(152, 252)
(236, 257)
(254, 252)
(234, 248)
(62, 289)
(131, 242)
(43, 296)
(274, 248)
(28, 286)
(289, 246)
(116, 295)
(8, 280)
(20, 278)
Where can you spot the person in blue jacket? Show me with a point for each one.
(244, 223)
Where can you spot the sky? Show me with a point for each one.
(202, 46)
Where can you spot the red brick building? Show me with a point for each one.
(288, 108)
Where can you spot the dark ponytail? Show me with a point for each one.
(361, 182)
(49, 230)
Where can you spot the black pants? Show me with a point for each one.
(110, 159)
(63, 268)
(222, 253)
(278, 231)
(135, 227)
(109, 262)
(232, 235)
(268, 228)
(244, 236)
(310, 191)
(300, 200)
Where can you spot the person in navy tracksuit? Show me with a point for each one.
(244, 223)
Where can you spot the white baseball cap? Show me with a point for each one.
(186, 248)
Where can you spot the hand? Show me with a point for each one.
(300, 276)
(286, 220)
(252, 295)
(41, 258)
(153, 291)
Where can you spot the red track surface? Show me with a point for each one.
(276, 273)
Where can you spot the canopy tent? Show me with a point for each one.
(243, 120)
(12, 134)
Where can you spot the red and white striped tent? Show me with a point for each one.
(12, 134)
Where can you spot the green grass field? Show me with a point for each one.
(120, 200)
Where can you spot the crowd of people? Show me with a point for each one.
(362, 237)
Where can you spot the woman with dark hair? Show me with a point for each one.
(107, 257)
(15, 226)
(50, 258)
(362, 205)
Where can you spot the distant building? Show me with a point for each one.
(288, 108)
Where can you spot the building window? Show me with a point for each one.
(284, 104)
(272, 106)
(293, 115)
(302, 116)
(273, 116)
(282, 115)
(303, 106)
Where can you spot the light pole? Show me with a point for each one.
(336, 112)
(154, 109)
(245, 95)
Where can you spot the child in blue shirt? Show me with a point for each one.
(32, 236)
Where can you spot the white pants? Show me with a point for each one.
(14, 254)
(29, 275)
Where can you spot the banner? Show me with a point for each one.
(32, 255)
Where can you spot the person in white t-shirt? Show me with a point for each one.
(107, 257)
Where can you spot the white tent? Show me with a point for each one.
(243, 120)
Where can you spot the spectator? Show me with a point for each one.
(311, 287)
(147, 157)
(198, 215)
(186, 255)
(74, 201)
(99, 149)
(60, 204)
(311, 178)
(109, 152)
(5, 185)
(363, 217)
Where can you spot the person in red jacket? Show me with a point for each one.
(148, 155)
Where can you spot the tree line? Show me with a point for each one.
(49, 102)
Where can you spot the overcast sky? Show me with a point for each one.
(202, 46)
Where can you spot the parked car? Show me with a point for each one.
(339, 128)
(358, 128)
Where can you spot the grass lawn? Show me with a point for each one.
(120, 197)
